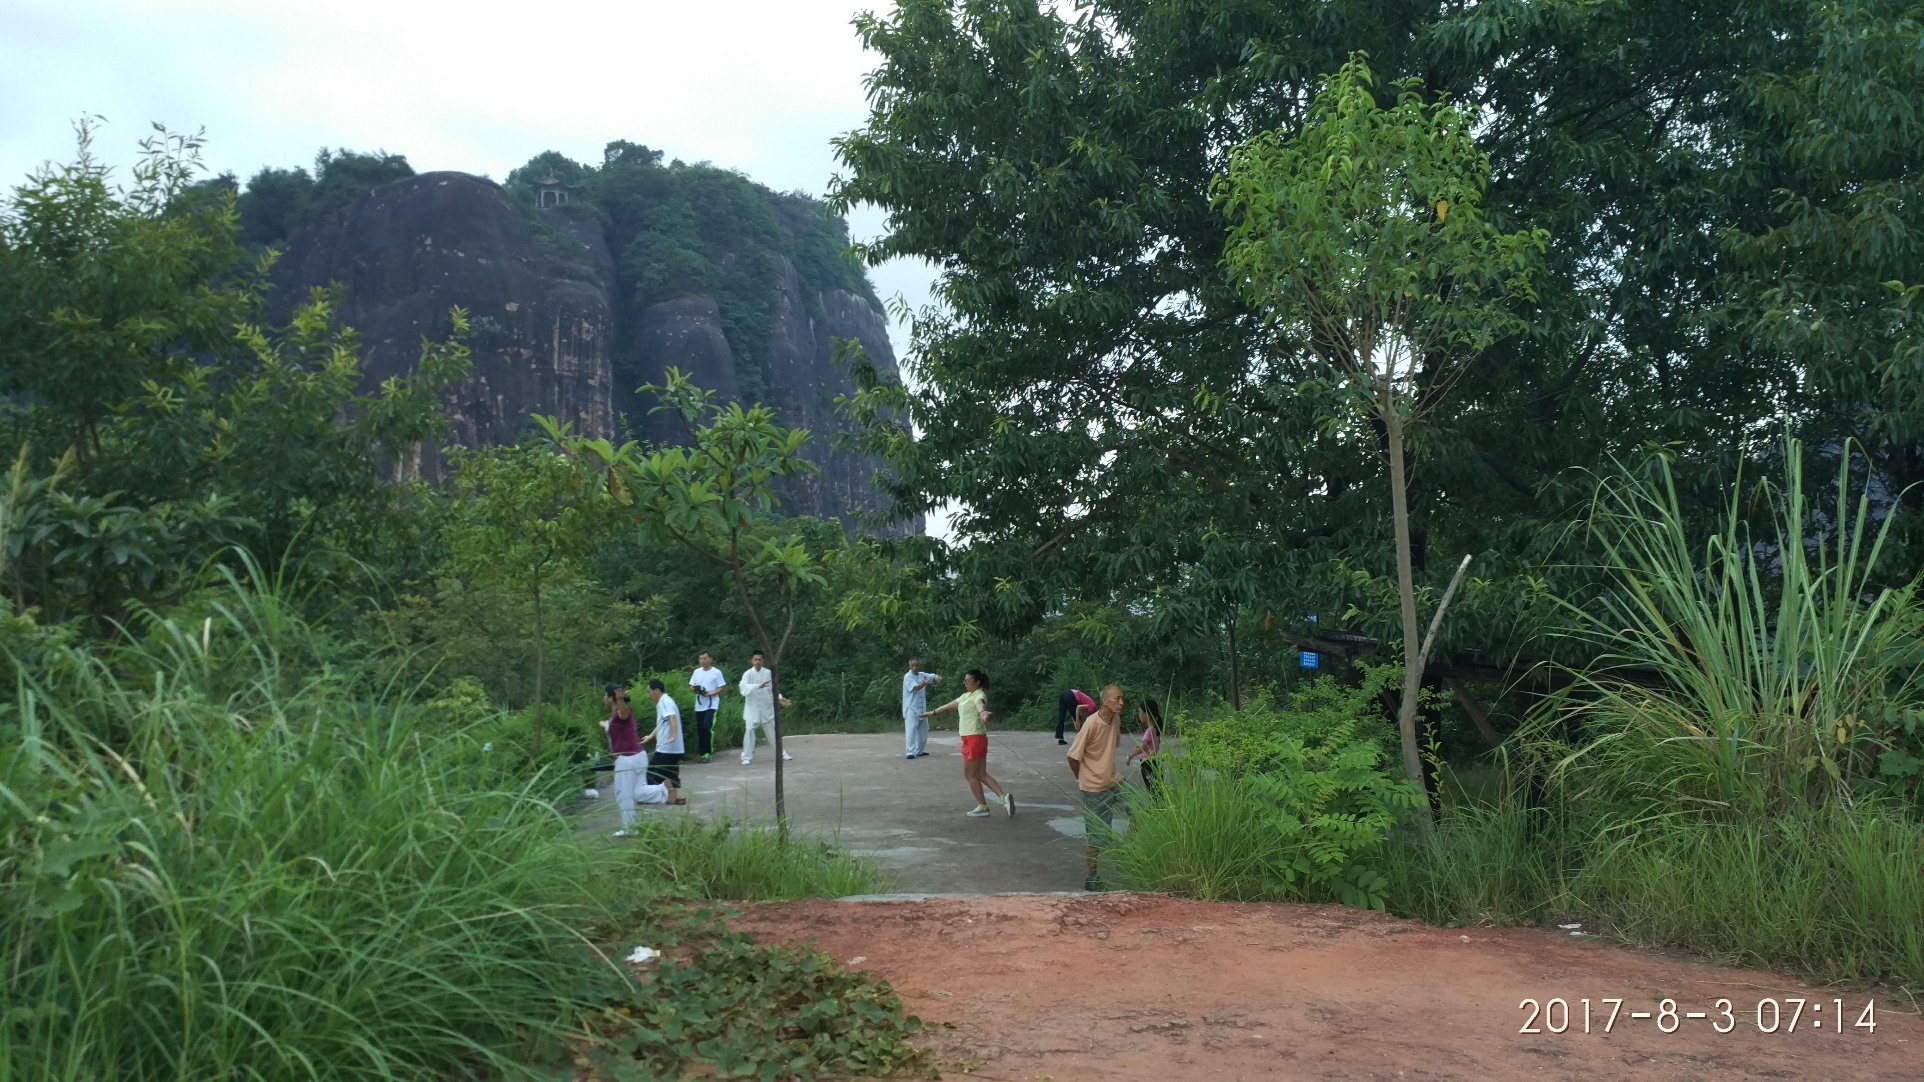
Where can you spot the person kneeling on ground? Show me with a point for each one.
(972, 722)
(631, 763)
(1092, 759)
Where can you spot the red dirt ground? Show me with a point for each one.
(1128, 986)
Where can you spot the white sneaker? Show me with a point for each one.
(1008, 804)
(748, 762)
(980, 811)
(786, 755)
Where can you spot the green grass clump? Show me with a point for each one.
(285, 881)
(730, 861)
(1835, 894)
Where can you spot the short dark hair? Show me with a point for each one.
(981, 678)
(755, 655)
(613, 690)
(657, 685)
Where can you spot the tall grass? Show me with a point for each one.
(1727, 799)
(214, 865)
(1208, 837)
(735, 862)
(1781, 661)
(1835, 893)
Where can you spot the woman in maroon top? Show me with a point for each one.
(631, 763)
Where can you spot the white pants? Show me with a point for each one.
(632, 788)
(915, 732)
(749, 725)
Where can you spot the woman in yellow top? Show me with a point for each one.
(972, 722)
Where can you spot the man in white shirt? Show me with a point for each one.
(915, 703)
(758, 708)
(668, 737)
(707, 682)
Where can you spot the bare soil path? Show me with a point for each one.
(1127, 986)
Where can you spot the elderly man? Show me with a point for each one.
(1092, 759)
(758, 708)
(915, 703)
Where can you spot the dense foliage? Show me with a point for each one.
(1732, 246)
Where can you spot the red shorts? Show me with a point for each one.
(975, 748)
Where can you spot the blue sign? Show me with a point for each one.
(1309, 659)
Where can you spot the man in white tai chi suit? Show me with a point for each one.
(758, 708)
(915, 703)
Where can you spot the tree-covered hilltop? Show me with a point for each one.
(681, 229)
(619, 272)
(676, 229)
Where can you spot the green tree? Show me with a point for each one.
(274, 205)
(714, 498)
(527, 515)
(1088, 359)
(1364, 239)
(132, 351)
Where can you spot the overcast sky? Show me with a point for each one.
(755, 85)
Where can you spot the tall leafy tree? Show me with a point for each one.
(1363, 237)
(714, 498)
(527, 515)
(1086, 358)
(130, 348)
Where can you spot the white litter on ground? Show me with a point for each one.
(591, 793)
(1569, 927)
(643, 956)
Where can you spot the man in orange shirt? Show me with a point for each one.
(1092, 759)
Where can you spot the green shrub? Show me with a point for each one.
(1289, 802)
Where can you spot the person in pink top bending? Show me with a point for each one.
(1072, 704)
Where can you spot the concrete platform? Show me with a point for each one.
(856, 791)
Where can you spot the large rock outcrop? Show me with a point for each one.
(542, 291)
(414, 249)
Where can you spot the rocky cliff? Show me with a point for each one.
(560, 327)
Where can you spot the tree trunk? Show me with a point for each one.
(1235, 674)
(540, 667)
(1406, 595)
(775, 704)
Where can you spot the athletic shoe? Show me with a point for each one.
(786, 755)
(1008, 804)
(1092, 883)
(748, 762)
(980, 811)
(908, 756)
(921, 755)
(1059, 740)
